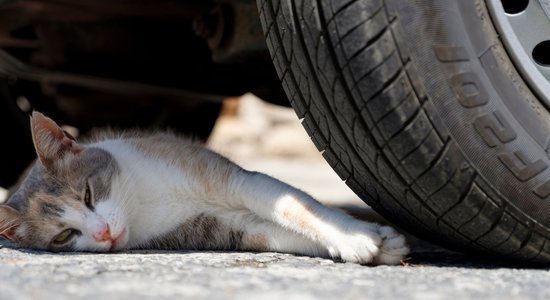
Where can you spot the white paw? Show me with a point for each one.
(358, 243)
(394, 247)
(366, 243)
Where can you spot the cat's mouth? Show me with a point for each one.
(120, 239)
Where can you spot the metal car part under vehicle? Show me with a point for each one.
(524, 28)
(12, 68)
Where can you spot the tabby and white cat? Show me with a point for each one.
(158, 191)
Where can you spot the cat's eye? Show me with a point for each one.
(88, 197)
(65, 236)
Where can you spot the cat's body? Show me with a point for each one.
(158, 191)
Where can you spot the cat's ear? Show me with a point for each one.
(9, 220)
(50, 141)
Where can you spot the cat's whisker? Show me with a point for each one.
(9, 227)
(127, 194)
(10, 223)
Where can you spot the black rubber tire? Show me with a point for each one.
(416, 105)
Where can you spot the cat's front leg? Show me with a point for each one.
(350, 239)
(343, 236)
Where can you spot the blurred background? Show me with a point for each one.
(268, 138)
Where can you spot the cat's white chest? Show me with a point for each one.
(156, 196)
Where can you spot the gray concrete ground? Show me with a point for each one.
(430, 273)
(228, 275)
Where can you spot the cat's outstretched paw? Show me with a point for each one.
(366, 243)
(394, 247)
(358, 243)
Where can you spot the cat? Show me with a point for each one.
(139, 190)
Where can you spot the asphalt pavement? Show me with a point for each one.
(233, 275)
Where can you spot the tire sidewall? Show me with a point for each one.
(499, 125)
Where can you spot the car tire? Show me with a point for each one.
(417, 106)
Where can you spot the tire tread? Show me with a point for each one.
(351, 81)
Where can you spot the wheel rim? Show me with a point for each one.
(524, 28)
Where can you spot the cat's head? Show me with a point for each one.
(64, 203)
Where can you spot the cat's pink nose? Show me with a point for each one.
(104, 234)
